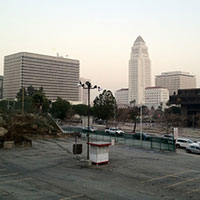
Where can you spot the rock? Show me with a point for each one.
(3, 131)
(34, 126)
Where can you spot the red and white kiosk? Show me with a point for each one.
(99, 152)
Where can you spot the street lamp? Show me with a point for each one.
(88, 86)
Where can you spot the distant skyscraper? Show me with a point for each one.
(139, 71)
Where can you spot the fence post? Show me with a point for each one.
(160, 144)
(125, 138)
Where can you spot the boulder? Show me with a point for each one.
(3, 131)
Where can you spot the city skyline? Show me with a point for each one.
(100, 35)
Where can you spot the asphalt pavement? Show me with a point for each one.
(49, 171)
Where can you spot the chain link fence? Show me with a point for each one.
(128, 139)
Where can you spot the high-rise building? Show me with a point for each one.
(57, 75)
(155, 96)
(83, 93)
(139, 71)
(175, 80)
(1, 87)
(122, 97)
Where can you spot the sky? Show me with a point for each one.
(100, 34)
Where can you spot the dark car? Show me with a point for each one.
(168, 138)
(144, 136)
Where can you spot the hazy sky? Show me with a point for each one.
(100, 34)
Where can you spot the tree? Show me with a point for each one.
(80, 109)
(39, 100)
(34, 99)
(104, 105)
(19, 94)
(134, 114)
(123, 114)
(60, 108)
(31, 91)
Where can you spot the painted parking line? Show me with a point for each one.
(192, 191)
(170, 175)
(17, 180)
(72, 197)
(182, 182)
(12, 174)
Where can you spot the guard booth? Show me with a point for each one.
(99, 152)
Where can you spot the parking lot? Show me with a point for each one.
(49, 170)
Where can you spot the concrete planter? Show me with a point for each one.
(8, 144)
(12, 144)
(86, 163)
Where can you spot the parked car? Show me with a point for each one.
(91, 129)
(100, 121)
(168, 138)
(193, 148)
(144, 136)
(183, 142)
(114, 131)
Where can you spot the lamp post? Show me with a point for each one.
(88, 86)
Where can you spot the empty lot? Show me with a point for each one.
(49, 170)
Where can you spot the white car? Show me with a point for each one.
(91, 129)
(183, 142)
(193, 148)
(114, 131)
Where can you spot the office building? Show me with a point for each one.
(57, 75)
(175, 80)
(1, 87)
(188, 100)
(156, 96)
(139, 71)
(122, 97)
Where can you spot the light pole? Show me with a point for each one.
(88, 86)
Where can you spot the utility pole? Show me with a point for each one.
(88, 136)
(88, 86)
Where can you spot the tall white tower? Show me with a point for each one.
(139, 71)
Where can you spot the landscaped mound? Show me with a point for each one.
(20, 127)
